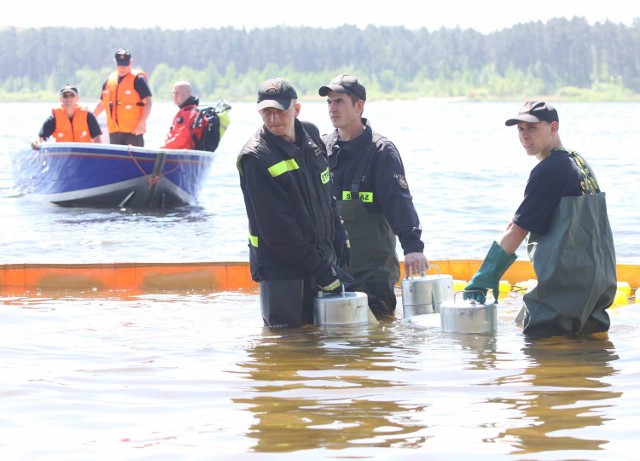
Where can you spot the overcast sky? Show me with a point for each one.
(482, 15)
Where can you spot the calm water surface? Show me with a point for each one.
(195, 376)
(466, 170)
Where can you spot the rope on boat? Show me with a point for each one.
(152, 179)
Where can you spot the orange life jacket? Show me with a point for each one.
(122, 102)
(74, 130)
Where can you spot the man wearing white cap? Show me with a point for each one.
(69, 122)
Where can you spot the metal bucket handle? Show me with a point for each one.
(471, 301)
(423, 273)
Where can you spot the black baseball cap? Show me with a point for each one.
(276, 93)
(123, 57)
(345, 84)
(534, 112)
(69, 89)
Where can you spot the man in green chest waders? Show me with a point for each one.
(373, 196)
(564, 215)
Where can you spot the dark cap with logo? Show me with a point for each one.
(68, 89)
(276, 93)
(534, 112)
(345, 84)
(123, 57)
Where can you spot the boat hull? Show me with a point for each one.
(107, 176)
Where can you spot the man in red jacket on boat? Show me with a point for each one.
(181, 134)
(69, 122)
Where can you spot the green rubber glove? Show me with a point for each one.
(493, 267)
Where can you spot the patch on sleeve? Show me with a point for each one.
(401, 181)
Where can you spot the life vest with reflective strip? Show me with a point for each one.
(72, 130)
(122, 102)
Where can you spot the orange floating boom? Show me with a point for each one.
(22, 279)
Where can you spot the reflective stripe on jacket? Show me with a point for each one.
(291, 213)
(380, 181)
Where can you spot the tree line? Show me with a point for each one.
(563, 57)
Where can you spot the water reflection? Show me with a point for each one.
(328, 389)
(569, 392)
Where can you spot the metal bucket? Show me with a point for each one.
(346, 308)
(425, 294)
(468, 316)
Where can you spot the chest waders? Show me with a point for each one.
(286, 303)
(575, 265)
(374, 263)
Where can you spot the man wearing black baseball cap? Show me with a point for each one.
(373, 196)
(126, 99)
(570, 243)
(69, 122)
(285, 181)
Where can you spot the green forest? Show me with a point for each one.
(560, 58)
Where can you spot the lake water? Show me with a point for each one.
(466, 171)
(195, 376)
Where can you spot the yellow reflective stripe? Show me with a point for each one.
(366, 197)
(253, 240)
(325, 176)
(282, 167)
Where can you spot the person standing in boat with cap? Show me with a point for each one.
(126, 98)
(373, 196)
(293, 218)
(69, 122)
(180, 135)
(564, 215)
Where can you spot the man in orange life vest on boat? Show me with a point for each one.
(181, 134)
(126, 99)
(293, 218)
(570, 243)
(69, 122)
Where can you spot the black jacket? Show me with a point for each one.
(383, 177)
(287, 193)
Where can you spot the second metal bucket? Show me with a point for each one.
(468, 316)
(346, 308)
(425, 294)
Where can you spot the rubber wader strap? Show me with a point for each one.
(354, 184)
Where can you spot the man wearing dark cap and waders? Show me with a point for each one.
(370, 185)
(564, 215)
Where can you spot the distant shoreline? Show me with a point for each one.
(587, 96)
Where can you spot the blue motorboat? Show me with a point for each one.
(107, 175)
